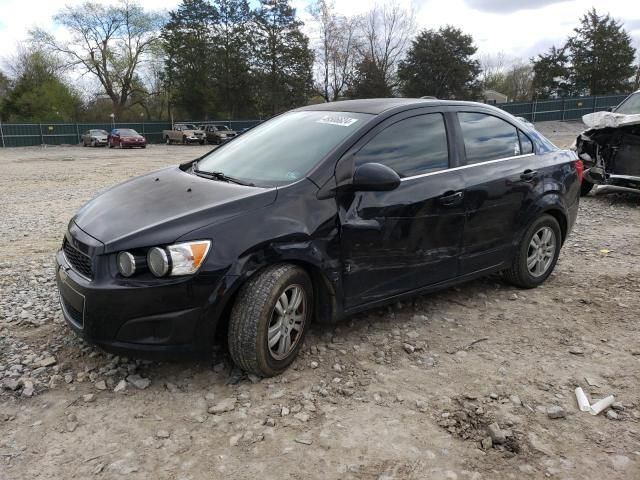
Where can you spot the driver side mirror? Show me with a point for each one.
(374, 177)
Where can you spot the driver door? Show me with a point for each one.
(408, 238)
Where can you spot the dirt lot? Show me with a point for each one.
(405, 392)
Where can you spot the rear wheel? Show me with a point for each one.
(586, 187)
(167, 140)
(537, 253)
(184, 139)
(269, 319)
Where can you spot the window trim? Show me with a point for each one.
(462, 167)
(385, 125)
(491, 114)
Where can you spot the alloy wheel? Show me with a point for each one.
(542, 249)
(287, 322)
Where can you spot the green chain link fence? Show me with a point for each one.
(30, 134)
(562, 108)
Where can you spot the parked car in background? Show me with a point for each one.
(610, 148)
(94, 138)
(126, 138)
(218, 134)
(367, 203)
(184, 133)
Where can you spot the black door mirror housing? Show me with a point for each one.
(374, 177)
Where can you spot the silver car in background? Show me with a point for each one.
(94, 138)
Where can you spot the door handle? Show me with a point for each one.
(528, 175)
(451, 199)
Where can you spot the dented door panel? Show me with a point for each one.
(403, 240)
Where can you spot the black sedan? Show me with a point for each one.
(371, 201)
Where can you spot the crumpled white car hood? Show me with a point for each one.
(610, 120)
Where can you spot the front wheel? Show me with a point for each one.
(537, 253)
(269, 319)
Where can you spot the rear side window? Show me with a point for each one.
(487, 137)
(526, 146)
(411, 146)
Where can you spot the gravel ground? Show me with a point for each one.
(475, 382)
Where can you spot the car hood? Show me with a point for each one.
(600, 120)
(160, 207)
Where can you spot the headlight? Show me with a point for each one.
(158, 261)
(186, 258)
(126, 264)
(179, 259)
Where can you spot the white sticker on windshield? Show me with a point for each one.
(339, 120)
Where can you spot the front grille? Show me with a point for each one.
(80, 262)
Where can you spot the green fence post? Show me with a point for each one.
(2, 134)
(595, 103)
(77, 133)
(564, 107)
(41, 136)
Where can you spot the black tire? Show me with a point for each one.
(184, 139)
(201, 142)
(254, 311)
(167, 140)
(110, 144)
(518, 274)
(586, 187)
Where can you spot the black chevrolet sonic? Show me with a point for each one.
(314, 215)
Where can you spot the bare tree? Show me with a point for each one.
(386, 31)
(336, 52)
(518, 82)
(492, 69)
(108, 42)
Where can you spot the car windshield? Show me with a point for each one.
(191, 127)
(285, 148)
(630, 106)
(221, 127)
(127, 131)
(99, 132)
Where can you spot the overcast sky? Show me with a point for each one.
(519, 28)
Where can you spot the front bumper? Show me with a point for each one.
(134, 144)
(163, 319)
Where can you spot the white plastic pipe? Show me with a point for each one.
(583, 402)
(602, 404)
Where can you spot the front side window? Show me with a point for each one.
(487, 137)
(412, 146)
(285, 148)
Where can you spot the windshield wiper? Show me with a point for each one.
(219, 176)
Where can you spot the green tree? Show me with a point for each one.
(5, 88)
(283, 60)
(369, 81)
(602, 56)
(189, 68)
(440, 63)
(552, 74)
(39, 93)
(232, 47)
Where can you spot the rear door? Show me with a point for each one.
(408, 238)
(500, 180)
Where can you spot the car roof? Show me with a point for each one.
(377, 106)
